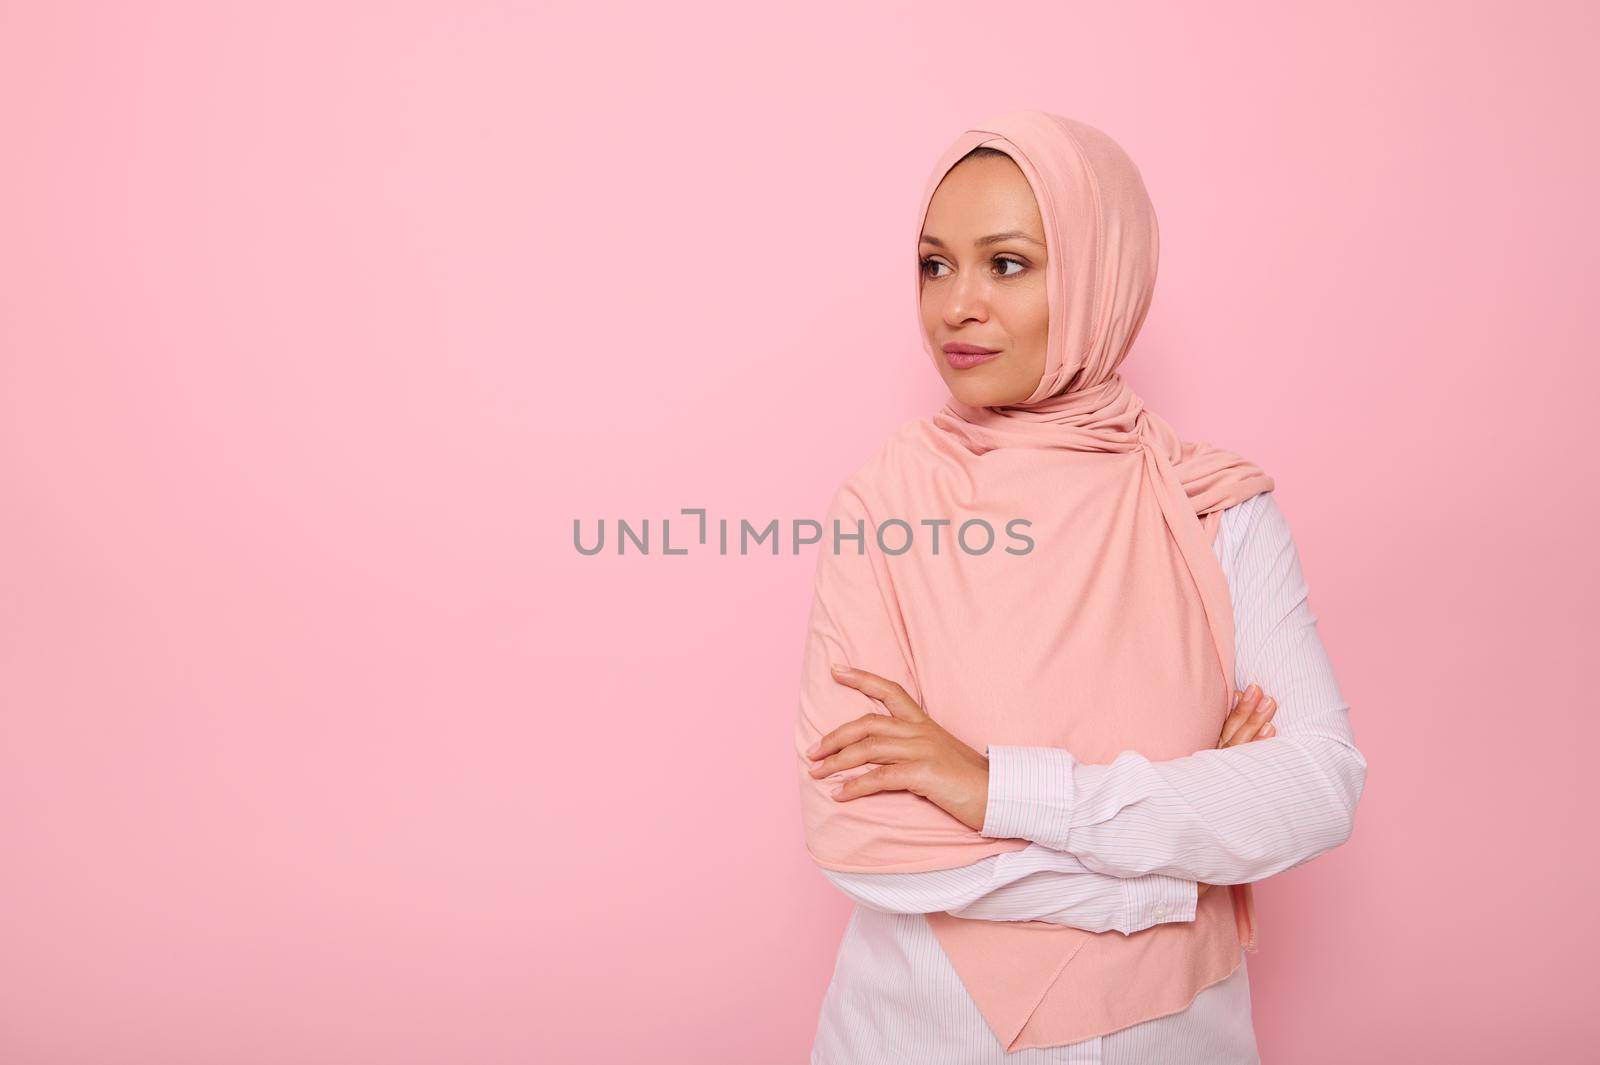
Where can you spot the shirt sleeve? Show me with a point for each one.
(1228, 816)
(1034, 884)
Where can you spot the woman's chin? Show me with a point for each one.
(976, 391)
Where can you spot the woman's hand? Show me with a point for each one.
(915, 753)
(1251, 719)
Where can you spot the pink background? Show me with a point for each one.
(322, 322)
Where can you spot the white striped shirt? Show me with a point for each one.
(1118, 847)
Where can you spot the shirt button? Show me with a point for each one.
(1161, 911)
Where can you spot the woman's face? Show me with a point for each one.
(983, 281)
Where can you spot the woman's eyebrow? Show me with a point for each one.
(992, 238)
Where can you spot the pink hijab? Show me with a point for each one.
(1113, 633)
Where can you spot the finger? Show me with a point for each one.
(886, 691)
(1245, 732)
(889, 778)
(884, 749)
(869, 724)
(1268, 730)
(1251, 729)
(1264, 711)
(1241, 712)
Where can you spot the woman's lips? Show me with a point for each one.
(966, 356)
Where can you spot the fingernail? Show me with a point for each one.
(837, 668)
(1266, 705)
(1267, 730)
(1235, 702)
(837, 790)
(811, 751)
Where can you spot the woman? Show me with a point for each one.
(1050, 899)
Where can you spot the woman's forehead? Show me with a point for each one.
(982, 202)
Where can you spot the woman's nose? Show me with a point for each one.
(967, 299)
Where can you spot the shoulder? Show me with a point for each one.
(1252, 522)
(1258, 517)
(1239, 517)
(1257, 546)
(895, 461)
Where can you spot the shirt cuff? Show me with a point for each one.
(1156, 898)
(1030, 795)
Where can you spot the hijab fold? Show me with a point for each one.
(1113, 633)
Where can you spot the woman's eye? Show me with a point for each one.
(931, 265)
